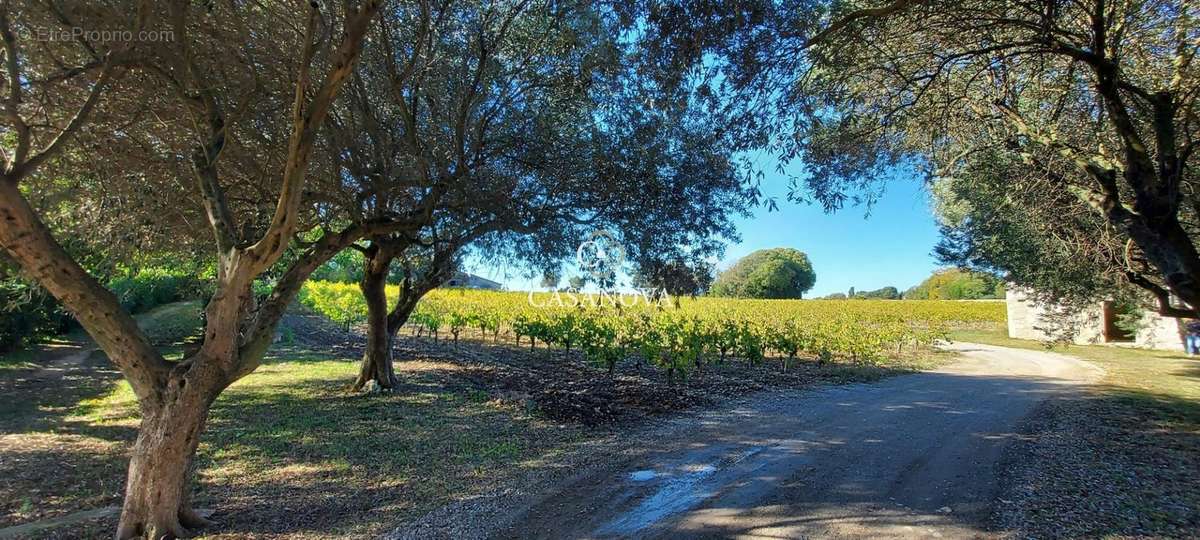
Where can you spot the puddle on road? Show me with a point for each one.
(677, 493)
(642, 476)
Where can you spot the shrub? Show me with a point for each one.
(150, 287)
(27, 314)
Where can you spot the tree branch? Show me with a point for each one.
(1161, 295)
(307, 117)
(28, 241)
(851, 17)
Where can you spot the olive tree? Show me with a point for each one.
(513, 131)
(215, 56)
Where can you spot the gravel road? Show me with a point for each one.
(910, 456)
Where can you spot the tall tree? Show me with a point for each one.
(53, 92)
(516, 126)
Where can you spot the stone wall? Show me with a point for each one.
(1028, 319)
(1160, 332)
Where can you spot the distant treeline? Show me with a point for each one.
(948, 284)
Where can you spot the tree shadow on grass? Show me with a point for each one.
(309, 456)
(288, 456)
(39, 399)
(290, 450)
(48, 475)
(1190, 369)
(1115, 461)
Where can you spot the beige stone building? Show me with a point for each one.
(1028, 319)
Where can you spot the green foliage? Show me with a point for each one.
(1039, 239)
(345, 267)
(146, 288)
(676, 276)
(883, 293)
(342, 304)
(1130, 316)
(769, 273)
(955, 284)
(29, 314)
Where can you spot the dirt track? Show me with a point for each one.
(911, 456)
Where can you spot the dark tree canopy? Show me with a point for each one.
(767, 273)
(675, 276)
(882, 293)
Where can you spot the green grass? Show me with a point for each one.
(291, 431)
(171, 324)
(168, 327)
(287, 450)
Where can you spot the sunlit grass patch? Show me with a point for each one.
(1171, 373)
(118, 406)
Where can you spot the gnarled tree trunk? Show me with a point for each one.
(377, 358)
(157, 488)
(382, 325)
(378, 362)
(175, 397)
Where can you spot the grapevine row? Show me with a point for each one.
(683, 337)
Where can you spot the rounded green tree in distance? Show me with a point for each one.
(956, 284)
(767, 273)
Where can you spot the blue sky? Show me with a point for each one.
(890, 246)
(848, 248)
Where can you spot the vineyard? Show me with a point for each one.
(677, 335)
